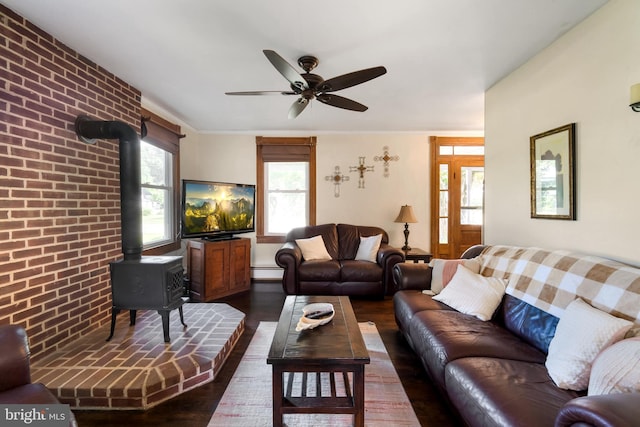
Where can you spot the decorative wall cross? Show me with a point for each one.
(361, 169)
(386, 158)
(337, 178)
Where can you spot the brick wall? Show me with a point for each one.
(59, 197)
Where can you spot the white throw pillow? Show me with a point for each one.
(368, 248)
(617, 369)
(444, 269)
(582, 332)
(473, 294)
(313, 248)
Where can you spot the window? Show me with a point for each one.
(157, 188)
(286, 186)
(160, 177)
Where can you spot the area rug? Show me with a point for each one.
(247, 401)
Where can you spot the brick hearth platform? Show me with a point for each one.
(137, 369)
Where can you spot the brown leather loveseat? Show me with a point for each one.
(495, 372)
(342, 274)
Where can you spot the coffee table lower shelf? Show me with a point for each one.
(316, 391)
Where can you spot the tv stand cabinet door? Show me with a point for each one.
(216, 276)
(195, 270)
(240, 261)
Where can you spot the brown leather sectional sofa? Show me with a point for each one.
(15, 373)
(342, 274)
(493, 373)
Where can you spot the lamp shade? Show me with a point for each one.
(406, 215)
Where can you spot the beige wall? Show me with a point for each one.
(584, 77)
(231, 158)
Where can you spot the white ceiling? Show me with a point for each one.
(441, 55)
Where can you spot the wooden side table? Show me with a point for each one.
(416, 255)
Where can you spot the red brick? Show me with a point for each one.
(12, 119)
(11, 161)
(24, 93)
(26, 233)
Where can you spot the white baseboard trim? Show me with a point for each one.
(266, 272)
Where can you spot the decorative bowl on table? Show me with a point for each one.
(314, 315)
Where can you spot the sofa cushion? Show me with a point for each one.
(328, 232)
(408, 303)
(360, 271)
(444, 270)
(349, 238)
(321, 271)
(499, 392)
(617, 369)
(472, 293)
(441, 336)
(368, 248)
(313, 248)
(533, 325)
(583, 331)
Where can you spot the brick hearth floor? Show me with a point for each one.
(137, 369)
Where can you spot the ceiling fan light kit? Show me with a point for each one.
(311, 86)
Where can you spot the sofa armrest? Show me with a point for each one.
(14, 357)
(289, 257)
(619, 409)
(412, 276)
(388, 256)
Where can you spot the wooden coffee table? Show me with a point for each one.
(329, 360)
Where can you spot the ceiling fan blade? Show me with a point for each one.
(341, 102)
(347, 80)
(286, 69)
(261, 92)
(298, 107)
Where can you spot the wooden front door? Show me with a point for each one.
(457, 195)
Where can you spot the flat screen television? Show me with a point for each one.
(217, 210)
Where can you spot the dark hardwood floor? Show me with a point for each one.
(263, 303)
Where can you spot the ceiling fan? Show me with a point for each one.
(309, 86)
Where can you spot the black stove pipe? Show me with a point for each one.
(88, 130)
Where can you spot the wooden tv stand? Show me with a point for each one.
(218, 268)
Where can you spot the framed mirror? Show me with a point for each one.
(553, 173)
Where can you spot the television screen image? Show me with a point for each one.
(217, 209)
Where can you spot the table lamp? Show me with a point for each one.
(406, 215)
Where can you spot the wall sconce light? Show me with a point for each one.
(635, 98)
(406, 215)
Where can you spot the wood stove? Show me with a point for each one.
(150, 283)
(137, 282)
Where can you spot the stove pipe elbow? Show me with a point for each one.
(88, 130)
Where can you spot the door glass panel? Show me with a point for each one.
(444, 200)
(446, 150)
(444, 203)
(444, 176)
(468, 150)
(443, 238)
(471, 195)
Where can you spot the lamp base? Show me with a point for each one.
(406, 246)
